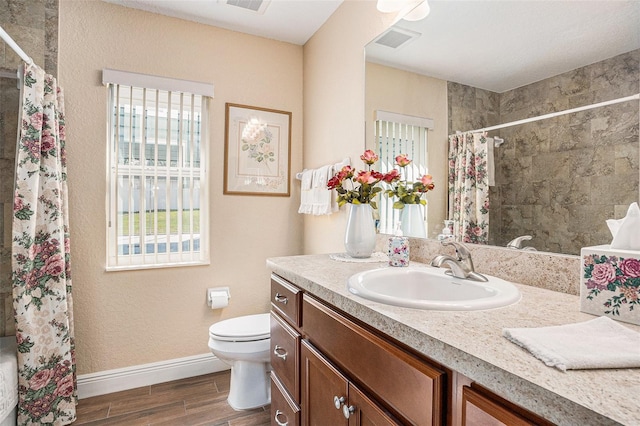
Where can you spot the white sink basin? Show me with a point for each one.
(431, 288)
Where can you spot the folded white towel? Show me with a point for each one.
(315, 197)
(598, 343)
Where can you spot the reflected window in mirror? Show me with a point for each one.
(397, 134)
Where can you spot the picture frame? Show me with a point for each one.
(257, 151)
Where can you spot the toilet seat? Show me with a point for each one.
(242, 329)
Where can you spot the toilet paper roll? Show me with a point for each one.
(218, 299)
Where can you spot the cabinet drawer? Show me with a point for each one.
(409, 387)
(284, 411)
(478, 410)
(286, 300)
(285, 357)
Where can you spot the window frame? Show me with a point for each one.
(191, 171)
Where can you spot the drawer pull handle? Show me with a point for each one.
(348, 411)
(338, 401)
(280, 352)
(280, 298)
(278, 422)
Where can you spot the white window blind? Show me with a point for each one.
(157, 178)
(394, 138)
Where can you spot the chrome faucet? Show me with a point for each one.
(461, 266)
(516, 243)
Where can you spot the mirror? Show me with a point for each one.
(473, 65)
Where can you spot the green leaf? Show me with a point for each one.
(398, 205)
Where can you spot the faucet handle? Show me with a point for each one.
(461, 250)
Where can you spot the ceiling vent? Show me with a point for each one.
(258, 6)
(396, 38)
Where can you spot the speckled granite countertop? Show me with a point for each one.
(472, 344)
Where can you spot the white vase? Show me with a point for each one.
(413, 221)
(360, 236)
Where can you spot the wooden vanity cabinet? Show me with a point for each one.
(331, 369)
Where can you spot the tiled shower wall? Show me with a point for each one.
(559, 179)
(33, 24)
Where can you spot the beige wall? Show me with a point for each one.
(131, 318)
(393, 90)
(334, 104)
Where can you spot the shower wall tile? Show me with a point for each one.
(559, 179)
(33, 24)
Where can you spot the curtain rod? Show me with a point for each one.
(556, 114)
(12, 44)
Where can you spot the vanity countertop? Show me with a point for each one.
(472, 344)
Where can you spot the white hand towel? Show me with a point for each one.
(598, 343)
(321, 194)
(306, 193)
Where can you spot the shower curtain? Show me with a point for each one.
(469, 187)
(40, 258)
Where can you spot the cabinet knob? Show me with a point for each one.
(280, 352)
(277, 417)
(281, 299)
(348, 411)
(338, 401)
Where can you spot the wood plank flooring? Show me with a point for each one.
(200, 400)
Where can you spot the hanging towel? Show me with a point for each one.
(598, 343)
(306, 193)
(315, 197)
(491, 162)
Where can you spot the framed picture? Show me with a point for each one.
(257, 151)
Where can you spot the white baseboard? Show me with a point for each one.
(120, 379)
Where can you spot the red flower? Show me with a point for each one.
(392, 176)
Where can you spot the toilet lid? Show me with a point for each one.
(242, 329)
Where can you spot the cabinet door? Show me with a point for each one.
(285, 359)
(364, 412)
(324, 390)
(479, 410)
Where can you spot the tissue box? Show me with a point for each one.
(610, 283)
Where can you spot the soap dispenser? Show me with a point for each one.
(446, 233)
(398, 249)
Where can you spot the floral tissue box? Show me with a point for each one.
(610, 283)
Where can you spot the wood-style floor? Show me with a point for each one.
(198, 400)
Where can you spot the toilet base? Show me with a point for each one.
(250, 386)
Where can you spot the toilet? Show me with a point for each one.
(244, 343)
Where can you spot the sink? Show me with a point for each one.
(431, 288)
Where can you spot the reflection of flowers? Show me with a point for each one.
(405, 191)
(256, 141)
(620, 276)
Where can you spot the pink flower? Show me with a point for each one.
(402, 160)
(630, 267)
(17, 204)
(36, 120)
(40, 379)
(367, 177)
(393, 175)
(48, 143)
(65, 386)
(603, 273)
(427, 182)
(54, 265)
(369, 157)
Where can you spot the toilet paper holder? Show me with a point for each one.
(218, 297)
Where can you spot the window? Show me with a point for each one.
(400, 134)
(157, 172)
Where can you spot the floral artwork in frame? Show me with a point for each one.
(257, 151)
(610, 284)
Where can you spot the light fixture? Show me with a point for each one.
(413, 10)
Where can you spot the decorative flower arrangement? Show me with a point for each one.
(357, 187)
(614, 274)
(406, 192)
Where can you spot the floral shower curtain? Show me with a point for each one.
(40, 258)
(469, 187)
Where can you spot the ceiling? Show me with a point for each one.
(501, 45)
(496, 45)
(292, 21)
